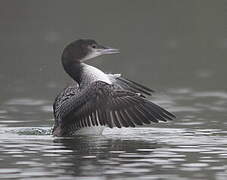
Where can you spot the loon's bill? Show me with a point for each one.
(98, 99)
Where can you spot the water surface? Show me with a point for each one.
(194, 146)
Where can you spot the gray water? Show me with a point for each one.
(178, 48)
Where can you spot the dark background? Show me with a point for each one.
(164, 44)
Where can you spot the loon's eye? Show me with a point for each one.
(94, 46)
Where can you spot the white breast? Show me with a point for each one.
(92, 74)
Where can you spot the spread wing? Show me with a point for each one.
(130, 85)
(103, 104)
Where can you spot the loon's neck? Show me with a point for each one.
(92, 74)
(74, 70)
(85, 74)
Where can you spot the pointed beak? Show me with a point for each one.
(108, 50)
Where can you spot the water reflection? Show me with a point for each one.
(193, 146)
(139, 153)
(25, 112)
(100, 156)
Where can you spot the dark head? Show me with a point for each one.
(79, 51)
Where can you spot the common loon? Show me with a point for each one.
(96, 100)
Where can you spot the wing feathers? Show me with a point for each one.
(134, 86)
(106, 105)
(137, 84)
(127, 118)
(123, 121)
(135, 118)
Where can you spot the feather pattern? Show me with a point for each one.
(130, 85)
(103, 104)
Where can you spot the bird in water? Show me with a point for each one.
(96, 100)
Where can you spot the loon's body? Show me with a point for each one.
(96, 100)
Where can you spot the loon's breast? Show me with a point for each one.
(91, 74)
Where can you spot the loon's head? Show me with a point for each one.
(84, 49)
(79, 51)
